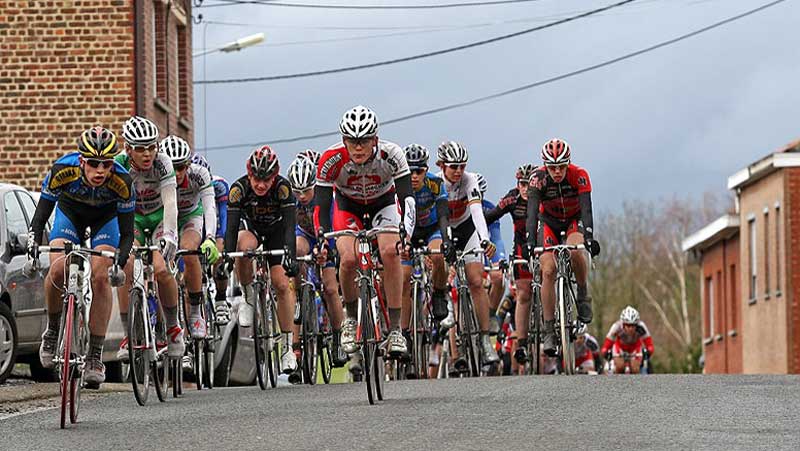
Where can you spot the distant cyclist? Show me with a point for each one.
(496, 279)
(626, 339)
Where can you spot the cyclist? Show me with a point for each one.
(515, 202)
(496, 279)
(560, 195)
(87, 189)
(469, 227)
(431, 226)
(303, 178)
(371, 177)
(221, 189)
(264, 203)
(156, 213)
(197, 223)
(628, 336)
(586, 351)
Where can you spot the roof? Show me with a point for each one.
(722, 228)
(787, 156)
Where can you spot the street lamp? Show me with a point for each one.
(235, 46)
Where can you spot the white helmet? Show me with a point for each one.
(629, 315)
(483, 186)
(452, 152)
(311, 154)
(302, 174)
(359, 122)
(582, 329)
(176, 148)
(139, 131)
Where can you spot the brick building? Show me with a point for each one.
(751, 271)
(68, 65)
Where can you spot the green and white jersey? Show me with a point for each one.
(196, 183)
(150, 183)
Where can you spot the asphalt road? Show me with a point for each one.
(650, 412)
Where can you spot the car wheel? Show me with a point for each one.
(8, 342)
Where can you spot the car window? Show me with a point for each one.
(27, 203)
(15, 218)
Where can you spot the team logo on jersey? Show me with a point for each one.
(118, 185)
(582, 181)
(64, 176)
(328, 164)
(235, 195)
(283, 192)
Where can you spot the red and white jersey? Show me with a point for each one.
(362, 183)
(460, 195)
(617, 333)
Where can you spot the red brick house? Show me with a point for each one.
(67, 65)
(751, 271)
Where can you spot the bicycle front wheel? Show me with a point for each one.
(66, 367)
(138, 347)
(309, 333)
(566, 311)
(469, 334)
(261, 334)
(324, 349)
(81, 334)
(368, 344)
(535, 334)
(160, 366)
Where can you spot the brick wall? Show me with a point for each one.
(722, 349)
(791, 214)
(63, 68)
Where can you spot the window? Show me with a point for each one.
(15, 218)
(710, 306)
(734, 300)
(720, 306)
(777, 249)
(766, 253)
(159, 51)
(182, 74)
(751, 257)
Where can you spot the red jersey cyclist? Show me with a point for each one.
(560, 201)
(628, 336)
(370, 177)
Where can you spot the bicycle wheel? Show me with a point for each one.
(423, 334)
(160, 366)
(367, 340)
(380, 362)
(444, 358)
(535, 334)
(210, 345)
(324, 349)
(565, 327)
(66, 348)
(261, 335)
(198, 349)
(469, 332)
(176, 374)
(308, 333)
(275, 342)
(81, 341)
(138, 349)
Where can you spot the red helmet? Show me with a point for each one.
(263, 163)
(556, 152)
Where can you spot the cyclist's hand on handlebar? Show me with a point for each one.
(33, 247)
(116, 275)
(290, 266)
(593, 246)
(320, 252)
(527, 251)
(227, 266)
(448, 251)
(209, 248)
(489, 249)
(169, 245)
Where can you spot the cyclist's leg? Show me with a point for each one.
(286, 301)
(190, 238)
(439, 281)
(522, 313)
(221, 283)
(406, 308)
(580, 268)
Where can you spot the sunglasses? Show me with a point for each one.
(182, 166)
(456, 166)
(358, 141)
(419, 171)
(557, 167)
(99, 163)
(152, 148)
(302, 192)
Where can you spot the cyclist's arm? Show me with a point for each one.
(323, 197)
(126, 226)
(43, 210)
(494, 214)
(648, 344)
(222, 214)
(506, 204)
(443, 214)
(209, 210)
(232, 229)
(607, 344)
(289, 214)
(532, 224)
(169, 195)
(408, 203)
(585, 200)
(476, 209)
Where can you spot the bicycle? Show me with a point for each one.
(315, 333)
(265, 329)
(372, 315)
(467, 330)
(421, 292)
(566, 322)
(203, 350)
(147, 332)
(535, 320)
(73, 336)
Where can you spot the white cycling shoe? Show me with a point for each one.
(288, 361)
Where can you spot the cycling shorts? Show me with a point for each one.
(424, 237)
(636, 348)
(521, 272)
(466, 238)
(191, 221)
(270, 238)
(550, 231)
(349, 215)
(313, 242)
(102, 234)
(153, 223)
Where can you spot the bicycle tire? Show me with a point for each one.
(176, 374)
(565, 329)
(367, 339)
(324, 349)
(380, 362)
(66, 367)
(211, 341)
(138, 320)
(275, 339)
(160, 366)
(260, 340)
(309, 330)
(535, 332)
(81, 334)
(198, 349)
(469, 332)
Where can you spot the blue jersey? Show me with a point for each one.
(495, 236)
(221, 190)
(432, 190)
(65, 184)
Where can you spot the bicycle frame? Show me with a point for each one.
(467, 326)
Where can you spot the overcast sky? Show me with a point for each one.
(678, 120)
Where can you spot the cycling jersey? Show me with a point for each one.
(432, 190)
(362, 183)
(150, 183)
(221, 197)
(586, 351)
(460, 196)
(80, 205)
(630, 343)
(196, 198)
(564, 206)
(495, 234)
(517, 206)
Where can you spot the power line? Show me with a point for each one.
(419, 56)
(527, 86)
(372, 7)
